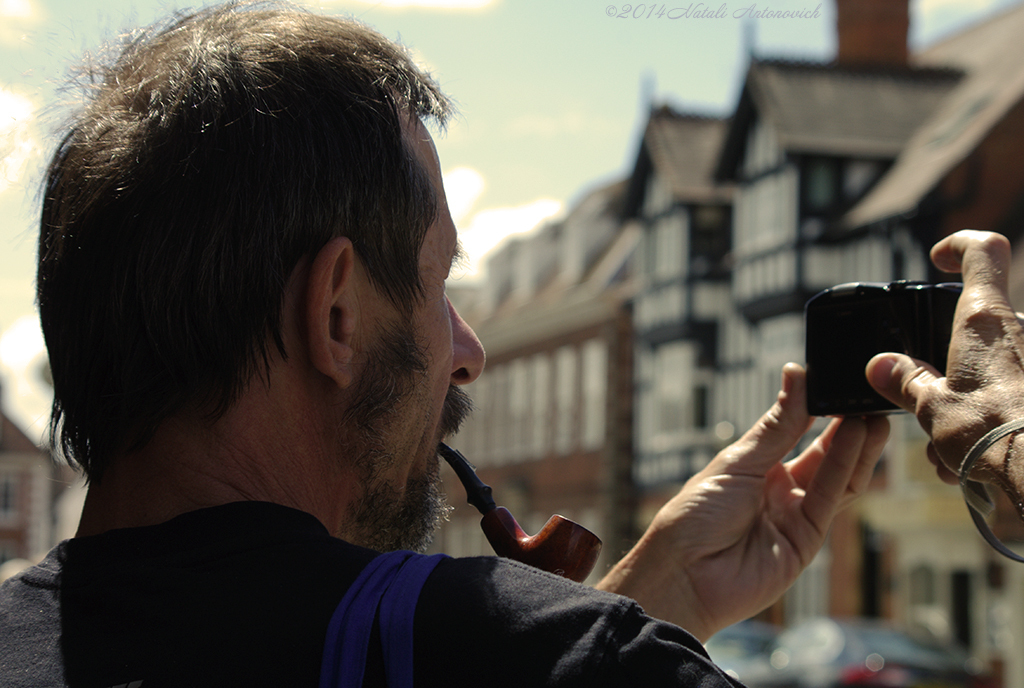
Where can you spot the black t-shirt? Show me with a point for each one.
(241, 594)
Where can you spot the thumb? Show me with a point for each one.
(775, 434)
(903, 380)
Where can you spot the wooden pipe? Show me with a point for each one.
(561, 547)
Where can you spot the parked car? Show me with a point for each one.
(830, 653)
(742, 648)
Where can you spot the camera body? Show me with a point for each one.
(848, 324)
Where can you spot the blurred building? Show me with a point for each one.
(682, 305)
(842, 171)
(26, 495)
(683, 286)
(552, 430)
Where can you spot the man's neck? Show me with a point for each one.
(242, 457)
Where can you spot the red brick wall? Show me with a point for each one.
(872, 32)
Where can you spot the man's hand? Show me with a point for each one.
(740, 531)
(984, 383)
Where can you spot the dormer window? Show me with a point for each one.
(710, 237)
(821, 184)
(830, 185)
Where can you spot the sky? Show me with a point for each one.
(552, 98)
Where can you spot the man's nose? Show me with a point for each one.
(468, 354)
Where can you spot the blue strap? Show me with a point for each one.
(348, 633)
(343, 663)
(396, 616)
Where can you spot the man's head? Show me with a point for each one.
(216, 153)
(407, 398)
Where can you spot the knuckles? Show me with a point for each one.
(991, 243)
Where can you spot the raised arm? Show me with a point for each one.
(739, 532)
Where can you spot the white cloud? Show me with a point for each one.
(489, 227)
(16, 142)
(968, 5)
(17, 17)
(27, 397)
(15, 8)
(21, 343)
(462, 186)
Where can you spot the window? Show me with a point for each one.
(565, 398)
(8, 497)
(709, 218)
(700, 406)
(499, 411)
(595, 382)
(820, 184)
(668, 247)
(922, 585)
(541, 425)
(710, 237)
(519, 411)
(672, 372)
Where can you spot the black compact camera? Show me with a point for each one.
(850, 323)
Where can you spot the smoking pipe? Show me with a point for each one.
(561, 547)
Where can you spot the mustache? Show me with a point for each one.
(457, 407)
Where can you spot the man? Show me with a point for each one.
(243, 251)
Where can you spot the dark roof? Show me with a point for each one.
(682, 148)
(826, 109)
(992, 55)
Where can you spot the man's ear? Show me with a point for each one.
(331, 310)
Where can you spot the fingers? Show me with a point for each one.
(845, 469)
(878, 437)
(803, 468)
(777, 431)
(907, 382)
(982, 257)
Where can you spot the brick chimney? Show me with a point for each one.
(872, 32)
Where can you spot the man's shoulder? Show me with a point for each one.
(242, 592)
(33, 590)
(496, 585)
(522, 626)
(30, 625)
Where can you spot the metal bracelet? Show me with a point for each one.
(976, 495)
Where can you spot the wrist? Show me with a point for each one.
(661, 588)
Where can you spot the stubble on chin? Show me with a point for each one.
(388, 518)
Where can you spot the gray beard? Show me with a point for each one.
(385, 519)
